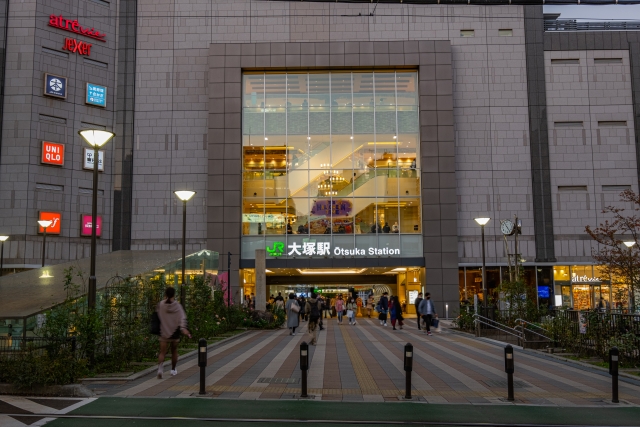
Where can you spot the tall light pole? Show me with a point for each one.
(96, 139)
(482, 222)
(632, 297)
(184, 195)
(44, 223)
(2, 239)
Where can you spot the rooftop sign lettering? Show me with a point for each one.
(74, 27)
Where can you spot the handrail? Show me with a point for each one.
(484, 320)
(524, 323)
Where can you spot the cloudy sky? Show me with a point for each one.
(591, 13)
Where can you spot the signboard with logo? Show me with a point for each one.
(312, 248)
(73, 26)
(96, 95)
(52, 153)
(77, 46)
(56, 222)
(86, 224)
(55, 86)
(87, 162)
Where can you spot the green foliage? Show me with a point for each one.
(519, 302)
(465, 320)
(263, 320)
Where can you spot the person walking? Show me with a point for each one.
(322, 306)
(428, 311)
(351, 310)
(417, 305)
(395, 309)
(340, 308)
(384, 308)
(292, 308)
(173, 323)
(279, 301)
(370, 305)
(302, 304)
(313, 308)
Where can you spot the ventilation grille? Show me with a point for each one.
(607, 61)
(89, 191)
(616, 188)
(53, 119)
(49, 187)
(605, 123)
(505, 32)
(561, 61)
(568, 124)
(102, 2)
(563, 188)
(86, 125)
(467, 33)
(96, 63)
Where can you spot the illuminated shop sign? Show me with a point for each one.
(56, 221)
(55, 85)
(73, 26)
(96, 95)
(260, 218)
(52, 153)
(584, 279)
(331, 207)
(86, 224)
(324, 249)
(77, 46)
(88, 159)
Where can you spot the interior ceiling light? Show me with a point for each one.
(400, 269)
(268, 271)
(332, 271)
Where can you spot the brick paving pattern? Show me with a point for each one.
(364, 362)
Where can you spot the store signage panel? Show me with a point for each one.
(88, 159)
(96, 95)
(585, 279)
(86, 224)
(56, 221)
(73, 26)
(55, 85)
(52, 153)
(77, 46)
(313, 248)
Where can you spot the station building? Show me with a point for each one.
(354, 143)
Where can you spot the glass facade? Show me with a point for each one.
(331, 164)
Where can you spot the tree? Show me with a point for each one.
(615, 258)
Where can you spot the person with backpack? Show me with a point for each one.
(428, 311)
(173, 323)
(313, 308)
(340, 308)
(417, 305)
(292, 308)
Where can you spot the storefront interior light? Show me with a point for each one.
(332, 271)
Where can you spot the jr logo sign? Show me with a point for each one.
(277, 249)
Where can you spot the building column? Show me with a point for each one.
(261, 279)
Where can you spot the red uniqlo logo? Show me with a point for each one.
(56, 220)
(52, 153)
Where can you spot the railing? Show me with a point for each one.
(376, 172)
(16, 347)
(573, 25)
(517, 334)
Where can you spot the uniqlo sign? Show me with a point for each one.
(56, 220)
(52, 153)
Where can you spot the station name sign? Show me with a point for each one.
(277, 249)
(73, 26)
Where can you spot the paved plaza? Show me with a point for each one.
(365, 363)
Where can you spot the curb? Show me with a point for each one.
(166, 363)
(69, 390)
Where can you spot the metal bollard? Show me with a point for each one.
(408, 367)
(509, 368)
(304, 366)
(614, 355)
(202, 362)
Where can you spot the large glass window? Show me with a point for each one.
(332, 153)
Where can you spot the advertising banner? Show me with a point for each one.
(56, 222)
(52, 153)
(96, 95)
(55, 85)
(86, 224)
(87, 162)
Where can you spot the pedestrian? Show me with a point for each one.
(384, 308)
(326, 307)
(395, 309)
(340, 308)
(417, 305)
(313, 307)
(279, 301)
(301, 303)
(351, 311)
(292, 309)
(173, 323)
(253, 302)
(370, 305)
(428, 311)
(322, 305)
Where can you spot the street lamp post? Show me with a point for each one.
(44, 223)
(632, 297)
(184, 195)
(2, 239)
(482, 222)
(96, 139)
